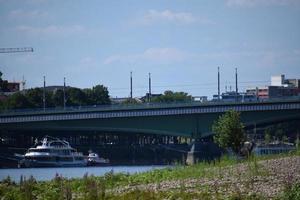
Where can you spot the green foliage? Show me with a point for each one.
(100, 95)
(35, 97)
(297, 142)
(130, 101)
(58, 98)
(170, 96)
(100, 188)
(268, 136)
(75, 97)
(229, 131)
(17, 101)
(291, 192)
(3, 83)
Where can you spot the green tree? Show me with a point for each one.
(229, 131)
(100, 95)
(17, 101)
(3, 83)
(97, 95)
(35, 97)
(58, 98)
(297, 142)
(76, 97)
(285, 139)
(268, 136)
(170, 96)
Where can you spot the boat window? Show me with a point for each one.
(39, 150)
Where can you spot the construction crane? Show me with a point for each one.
(16, 50)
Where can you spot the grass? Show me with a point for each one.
(104, 187)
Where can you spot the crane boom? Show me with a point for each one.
(16, 50)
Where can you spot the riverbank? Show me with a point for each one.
(269, 177)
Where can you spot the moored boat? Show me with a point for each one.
(95, 160)
(52, 152)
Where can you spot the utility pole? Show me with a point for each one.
(236, 85)
(44, 94)
(131, 85)
(219, 83)
(149, 95)
(64, 90)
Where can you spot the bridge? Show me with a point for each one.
(178, 119)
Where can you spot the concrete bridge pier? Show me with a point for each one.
(202, 151)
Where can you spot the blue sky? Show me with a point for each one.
(181, 42)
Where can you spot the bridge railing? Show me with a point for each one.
(152, 105)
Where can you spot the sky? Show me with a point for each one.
(180, 42)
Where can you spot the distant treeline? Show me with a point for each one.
(97, 95)
(33, 98)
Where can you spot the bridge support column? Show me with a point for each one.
(202, 150)
(191, 155)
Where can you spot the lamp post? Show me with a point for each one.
(64, 90)
(44, 94)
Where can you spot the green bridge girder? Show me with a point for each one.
(187, 125)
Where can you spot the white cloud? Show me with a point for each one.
(168, 16)
(51, 30)
(158, 55)
(19, 13)
(252, 3)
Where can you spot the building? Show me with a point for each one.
(279, 88)
(10, 88)
(236, 97)
(259, 92)
(277, 80)
(13, 87)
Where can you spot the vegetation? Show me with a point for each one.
(33, 98)
(125, 186)
(229, 131)
(170, 96)
(3, 84)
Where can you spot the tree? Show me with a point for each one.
(297, 142)
(97, 95)
(268, 135)
(76, 97)
(170, 96)
(18, 100)
(229, 131)
(58, 98)
(35, 97)
(3, 83)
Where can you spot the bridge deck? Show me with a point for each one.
(144, 110)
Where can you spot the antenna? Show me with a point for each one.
(23, 82)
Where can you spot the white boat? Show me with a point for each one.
(53, 152)
(94, 160)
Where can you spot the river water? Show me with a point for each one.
(44, 174)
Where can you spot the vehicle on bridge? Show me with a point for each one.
(53, 152)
